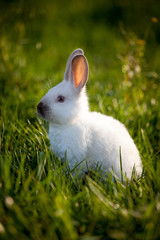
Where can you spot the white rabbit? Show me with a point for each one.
(81, 134)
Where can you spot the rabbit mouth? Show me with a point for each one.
(43, 110)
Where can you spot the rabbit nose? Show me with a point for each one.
(40, 107)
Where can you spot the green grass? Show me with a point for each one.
(38, 198)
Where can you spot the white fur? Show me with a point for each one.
(82, 134)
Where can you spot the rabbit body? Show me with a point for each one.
(80, 134)
(99, 139)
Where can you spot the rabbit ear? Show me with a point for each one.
(79, 70)
(68, 66)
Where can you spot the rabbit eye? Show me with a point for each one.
(60, 99)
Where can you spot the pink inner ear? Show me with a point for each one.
(79, 70)
(73, 54)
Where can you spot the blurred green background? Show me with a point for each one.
(121, 40)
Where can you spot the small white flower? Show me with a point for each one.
(38, 45)
(137, 69)
(2, 230)
(153, 101)
(130, 74)
(9, 201)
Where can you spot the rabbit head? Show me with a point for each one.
(68, 100)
